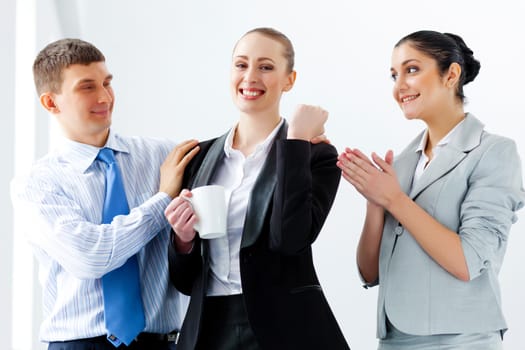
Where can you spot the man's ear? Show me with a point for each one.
(47, 100)
(291, 81)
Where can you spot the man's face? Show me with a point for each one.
(84, 105)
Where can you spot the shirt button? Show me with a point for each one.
(399, 230)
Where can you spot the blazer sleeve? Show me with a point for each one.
(495, 193)
(307, 182)
(184, 268)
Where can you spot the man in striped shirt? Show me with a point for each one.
(60, 203)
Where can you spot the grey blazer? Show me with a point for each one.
(474, 188)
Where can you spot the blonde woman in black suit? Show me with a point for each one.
(257, 288)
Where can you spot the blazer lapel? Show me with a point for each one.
(203, 177)
(468, 137)
(439, 167)
(209, 164)
(405, 164)
(261, 195)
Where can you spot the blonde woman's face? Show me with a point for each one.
(259, 74)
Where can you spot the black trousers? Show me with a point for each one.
(225, 325)
(101, 343)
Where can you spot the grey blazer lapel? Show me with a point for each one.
(405, 164)
(468, 137)
(209, 164)
(261, 195)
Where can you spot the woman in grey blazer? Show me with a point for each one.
(438, 217)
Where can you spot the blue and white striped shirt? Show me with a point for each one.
(61, 205)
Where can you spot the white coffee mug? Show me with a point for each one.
(209, 204)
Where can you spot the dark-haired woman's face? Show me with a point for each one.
(419, 89)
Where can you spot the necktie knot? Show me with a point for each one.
(106, 155)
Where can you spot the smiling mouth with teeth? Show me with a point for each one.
(409, 98)
(251, 93)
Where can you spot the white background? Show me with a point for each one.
(170, 61)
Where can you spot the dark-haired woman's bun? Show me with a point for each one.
(472, 65)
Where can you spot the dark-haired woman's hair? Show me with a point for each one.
(446, 48)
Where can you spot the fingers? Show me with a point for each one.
(173, 167)
(176, 201)
(186, 193)
(381, 163)
(351, 167)
(375, 179)
(359, 159)
(175, 208)
(354, 180)
(320, 139)
(182, 153)
(359, 170)
(360, 154)
(357, 154)
(186, 145)
(307, 122)
(311, 111)
(181, 217)
(389, 157)
(188, 156)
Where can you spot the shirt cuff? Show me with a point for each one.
(156, 206)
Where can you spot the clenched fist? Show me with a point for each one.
(307, 122)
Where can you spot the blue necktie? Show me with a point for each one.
(123, 309)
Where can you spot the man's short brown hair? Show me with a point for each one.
(58, 55)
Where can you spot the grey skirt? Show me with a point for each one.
(397, 340)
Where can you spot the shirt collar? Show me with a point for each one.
(261, 148)
(80, 155)
(445, 140)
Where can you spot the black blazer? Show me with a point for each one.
(286, 210)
